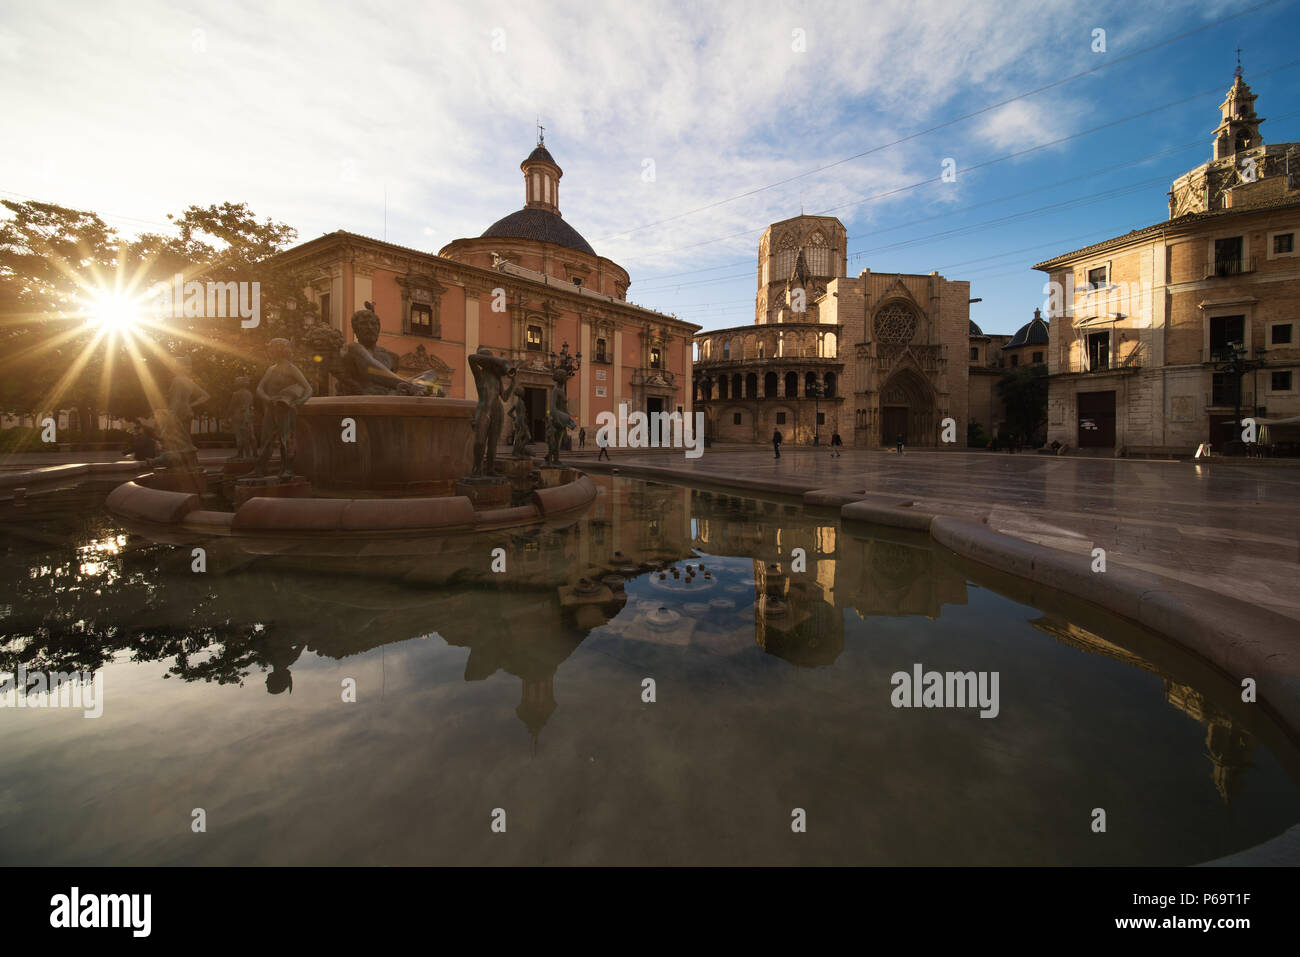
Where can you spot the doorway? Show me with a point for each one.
(893, 423)
(654, 404)
(1096, 420)
(535, 403)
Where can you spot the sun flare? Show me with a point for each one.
(113, 312)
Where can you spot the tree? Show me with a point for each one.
(1024, 395)
(55, 262)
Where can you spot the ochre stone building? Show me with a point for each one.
(1143, 326)
(528, 284)
(873, 356)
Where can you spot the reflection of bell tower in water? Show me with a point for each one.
(1227, 747)
(536, 702)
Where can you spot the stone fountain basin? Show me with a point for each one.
(403, 445)
(450, 513)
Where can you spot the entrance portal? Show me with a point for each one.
(893, 419)
(1096, 420)
(535, 403)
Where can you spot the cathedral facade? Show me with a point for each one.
(873, 357)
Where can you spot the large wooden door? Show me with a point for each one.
(893, 423)
(1096, 420)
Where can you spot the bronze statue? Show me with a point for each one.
(175, 442)
(522, 429)
(185, 394)
(365, 367)
(172, 424)
(558, 420)
(241, 413)
(489, 370)
(281, 391)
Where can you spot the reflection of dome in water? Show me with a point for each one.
(897, 566)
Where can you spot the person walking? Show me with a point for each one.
(900, 443)
(776, 442)
(602, 440)
(836, 444)
(582, 438)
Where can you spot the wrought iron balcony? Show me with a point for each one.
(1230, 266)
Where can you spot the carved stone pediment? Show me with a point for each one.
(897, 291)
(421, 287)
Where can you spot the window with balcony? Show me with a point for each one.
(1098, 351)
(1227, 256)
(421, 320)
(1226, 331)
(534, 340)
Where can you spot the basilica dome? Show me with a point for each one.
(541, 225)
(1032, 333)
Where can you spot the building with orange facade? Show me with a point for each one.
(524, 287)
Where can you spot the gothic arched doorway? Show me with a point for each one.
(907, 409)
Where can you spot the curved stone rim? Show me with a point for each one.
(338, 516)
(398, 405)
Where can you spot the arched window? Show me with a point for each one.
(817, 255)
(722, 388)
(810, 384)
(751, 386)
(726, 350)
(829, 390)
(737, 349)
(769, 385)
(735, 386)
(791, 384)
(829, 346)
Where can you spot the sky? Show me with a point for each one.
(683, 129)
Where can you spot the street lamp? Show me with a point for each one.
(1233, 362)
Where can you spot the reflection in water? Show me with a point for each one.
(649, 570)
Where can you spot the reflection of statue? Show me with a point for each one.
(558, 421)
(240, 413)
(522, 428)
(488, 371)
(366, 368)
(281, 391)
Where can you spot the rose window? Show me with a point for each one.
(895, 323)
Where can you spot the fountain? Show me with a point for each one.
(387, 458)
